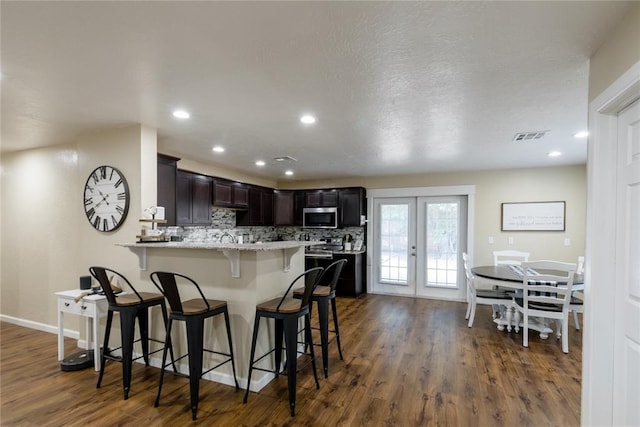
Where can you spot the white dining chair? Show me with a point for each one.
(546, 296)
(576, 304)
(509, 257)
(481, 296)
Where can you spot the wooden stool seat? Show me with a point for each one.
(288, 305)
(198, 306)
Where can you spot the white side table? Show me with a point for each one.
(93, 307)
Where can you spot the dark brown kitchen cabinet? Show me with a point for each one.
(352, 206)
(284, 207)
(230, 194)
(166, 186)
(260, 211)
(321, 198)
(193, 198)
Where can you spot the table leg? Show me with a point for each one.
(60, 335)
(509, 313)
(96, 341)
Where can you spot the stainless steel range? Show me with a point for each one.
(325, 250)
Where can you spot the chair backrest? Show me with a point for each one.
(548, 282)
(509, 257)
(471, 286)
(310, 281)
(331, 274)
(101, 274)
(580, 267)
(167, 283)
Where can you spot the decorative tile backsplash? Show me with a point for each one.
(223, 228)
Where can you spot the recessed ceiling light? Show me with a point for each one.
(554, 154)
(308, 119)
(181, 114)
(288, 173)
(218, 149)
(582, 134)
(260, 163)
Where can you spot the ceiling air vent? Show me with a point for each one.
(285, 159)
(529, 136)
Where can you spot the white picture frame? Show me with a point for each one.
(533, 216)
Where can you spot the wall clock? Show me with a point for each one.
(106, 198)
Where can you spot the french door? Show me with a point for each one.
(418, 245)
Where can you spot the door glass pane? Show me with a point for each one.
(442, 244)
(394, 243)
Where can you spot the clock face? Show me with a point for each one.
(106, 198)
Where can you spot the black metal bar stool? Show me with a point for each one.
(131, 306)
(324, 292)
(286, 311)
(193, 312)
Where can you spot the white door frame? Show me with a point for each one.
(600, 315)
(454, 190)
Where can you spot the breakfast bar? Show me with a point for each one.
(241, 274)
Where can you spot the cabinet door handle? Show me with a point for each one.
(84, 307)
(66, 304)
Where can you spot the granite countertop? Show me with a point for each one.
(266, 246)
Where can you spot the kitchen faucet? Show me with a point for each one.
(233, 239)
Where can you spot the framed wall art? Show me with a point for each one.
(533, 216)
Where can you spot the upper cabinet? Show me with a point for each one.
(193, 198)
(288, 206)
(228, 194)
(352, 207)
(166, 193)
(320, 198)
(260, 211)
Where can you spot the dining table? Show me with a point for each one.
(510, 277)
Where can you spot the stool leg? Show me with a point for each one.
(167, 340)
(233, 364)
(143, 325)
(167, 343)
(256, 324)
(323, 316)
(103, 360)
(195, 337)
(290, 332)
(279, 329)
(127, 326)
(335, 325)
(313, 353)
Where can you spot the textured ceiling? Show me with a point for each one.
(397, 87)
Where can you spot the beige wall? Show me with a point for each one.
(616, 55)
(47, 242)
(493, 188)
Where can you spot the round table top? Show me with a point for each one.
(505, 273)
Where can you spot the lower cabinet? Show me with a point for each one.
(352, 279)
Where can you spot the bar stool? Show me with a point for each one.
(193, 312)
(130, 305)
(286, 311)
(324, 292)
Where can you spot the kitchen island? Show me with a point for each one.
(241, 274)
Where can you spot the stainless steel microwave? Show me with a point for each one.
(320, 217)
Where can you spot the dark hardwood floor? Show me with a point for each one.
(407, 362)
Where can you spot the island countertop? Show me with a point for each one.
(265, 246)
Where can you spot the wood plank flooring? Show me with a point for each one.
(407, 362)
